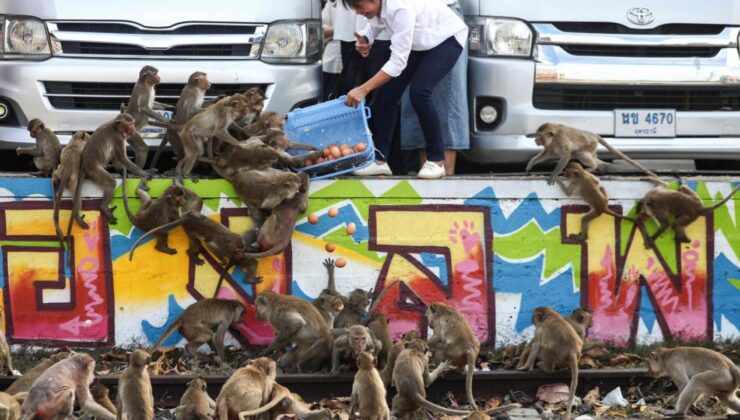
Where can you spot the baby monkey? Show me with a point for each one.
(592, 192)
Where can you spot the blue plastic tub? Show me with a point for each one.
(332, 122)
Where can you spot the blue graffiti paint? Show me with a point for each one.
(524, 278)
(437, 264)
(153, 333)
(530, 210)
(725, 295)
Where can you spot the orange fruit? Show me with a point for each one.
(330, 247)
(335, 152)
(326, 152)
(346, 152)
(351, 229)
(308, 162)
(340, 262)
(360, 147)
(333, 212)
(313, 218)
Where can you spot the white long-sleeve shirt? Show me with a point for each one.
(346, 22)
(331, 61)
(417, 25)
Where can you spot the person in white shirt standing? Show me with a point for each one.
(346, 22)
(427, 38)
(331, 60)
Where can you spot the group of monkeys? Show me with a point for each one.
(305, 336)
(250, 152)
(662, 203)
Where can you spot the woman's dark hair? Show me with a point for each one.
(351, 4)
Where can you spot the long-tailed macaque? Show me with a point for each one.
(300, 323)
(198, 322)
(141, 106)
(697, 371)
(685, 205)
(188, 104)
(571, 143)
(54, 393)
(454, 340)
(47, 150)
(105, 146)
(557, 345)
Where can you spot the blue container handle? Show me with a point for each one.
(368, 113)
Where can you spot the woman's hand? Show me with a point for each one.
(362, 46)
(355, 96)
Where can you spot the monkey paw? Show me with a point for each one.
(551, 180)
(329, 263)
(577, 237)
(167, 250)
(254, 280)
(199, 261)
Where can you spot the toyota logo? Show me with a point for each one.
(640, 16)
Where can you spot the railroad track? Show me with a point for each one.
(314, 387)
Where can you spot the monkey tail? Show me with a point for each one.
(502, 408)
(423, 403)
(573, 362)
(167, 226)
(721, 202)
(57, 198)
(277, 399)
(221, 276)
(629, 160)
(124, 194)
(272, 251)
(20, 396)
(375, 304)
(175, 325)
(469, 378)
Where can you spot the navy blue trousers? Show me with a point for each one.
(422, 73)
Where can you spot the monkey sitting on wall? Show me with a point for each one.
(47, 150)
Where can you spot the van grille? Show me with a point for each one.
(92, 48)
(186, 41)
(615, 28)
(641, 51)
(594, 98)
(110, 96)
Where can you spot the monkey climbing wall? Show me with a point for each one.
(493, 248)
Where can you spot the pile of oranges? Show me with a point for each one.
(333, 151)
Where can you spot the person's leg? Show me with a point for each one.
(350, 67)
(386, 105)
(434, 65)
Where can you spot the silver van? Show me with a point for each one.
(657, 78)
(73, 62)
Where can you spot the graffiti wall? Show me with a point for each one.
(493, 248)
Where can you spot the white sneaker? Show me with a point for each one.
(374, 169)
(431, 170)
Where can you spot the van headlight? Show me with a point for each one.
(499, 37)
(292, 42)
(23, 38)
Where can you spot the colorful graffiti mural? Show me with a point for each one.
(494, 249)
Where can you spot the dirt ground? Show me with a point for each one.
(641, 402)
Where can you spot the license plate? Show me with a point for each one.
(152, 130)
(644, 123)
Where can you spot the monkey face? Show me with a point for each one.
(124, 125)
(35, 126)
(358, 299)
(359, 343)
(540, 314)
(583, 317)
(544, 135)
(655, 365)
